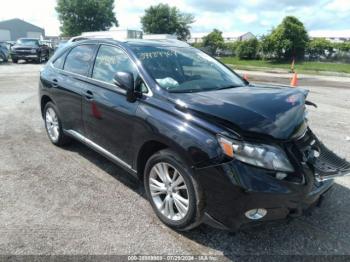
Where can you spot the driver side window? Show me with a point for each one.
(109, 60)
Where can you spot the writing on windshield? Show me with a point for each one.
(185, 69)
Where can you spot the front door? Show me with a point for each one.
(108, 117)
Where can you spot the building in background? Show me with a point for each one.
(11, 30)
(117, 34)
(159, 37)
(335, 36)
(228, 37)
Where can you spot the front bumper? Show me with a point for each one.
(233, 188)
(24, 55)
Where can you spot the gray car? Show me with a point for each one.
(4, 51)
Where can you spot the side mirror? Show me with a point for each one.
(125, 80)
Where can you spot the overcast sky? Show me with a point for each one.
(257, 16)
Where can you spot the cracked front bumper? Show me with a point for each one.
(233, 188)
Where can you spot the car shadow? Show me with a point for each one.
(106, 165)
(325, 231)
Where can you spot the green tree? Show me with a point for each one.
(197, 45)
(232, 46)
(287, 41)
(77, 16)
(267, 46)
(319, 47)
(213, 41)
(248, 49)
(343, 47)
(163, 19)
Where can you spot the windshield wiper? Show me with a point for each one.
(227, 87)
(185, 91)
(202, 90)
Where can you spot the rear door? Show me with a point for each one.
(109, 119)
(70, 83)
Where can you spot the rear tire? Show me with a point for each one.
(176, 198)
(53, 126)
(15, 60)
(3, 57)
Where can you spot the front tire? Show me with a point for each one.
(53, 126)
(174, 194)
(38, 60)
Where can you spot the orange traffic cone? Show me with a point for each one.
(294, 82)
(245, 77)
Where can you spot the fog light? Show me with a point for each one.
(256, 213)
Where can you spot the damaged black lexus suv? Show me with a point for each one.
(208, 146)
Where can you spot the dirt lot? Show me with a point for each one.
(73, 201)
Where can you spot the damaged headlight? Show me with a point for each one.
(260, 155)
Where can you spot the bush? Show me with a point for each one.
(319, 48)
(198, 45)
(248, 49)
(343, 47)
(232, 47)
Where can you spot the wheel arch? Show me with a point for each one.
(152, 146)
(148, 149)
(43, 101)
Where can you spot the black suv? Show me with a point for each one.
(209, 146)
(29, 49)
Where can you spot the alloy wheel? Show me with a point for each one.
(169, 191)
(52, 125)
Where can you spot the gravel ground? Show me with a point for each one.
(73, 201)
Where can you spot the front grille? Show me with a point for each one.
(322, 161)
(23, 49)
(328, 163)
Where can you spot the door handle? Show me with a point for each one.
(89, 95)
(54, 82)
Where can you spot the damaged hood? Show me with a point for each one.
(273, 111)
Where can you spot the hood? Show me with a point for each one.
(268, 110)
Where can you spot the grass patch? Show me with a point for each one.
(300, 67)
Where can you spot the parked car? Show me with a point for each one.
(29, 49)
(50, 44)
(208, 146)
(4, 51)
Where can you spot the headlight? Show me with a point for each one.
(265, 156)
(33, 51)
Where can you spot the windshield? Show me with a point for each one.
(28, 42)
(179, 69)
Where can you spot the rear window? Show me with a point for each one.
(79, 59)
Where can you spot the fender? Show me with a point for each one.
(198, 145)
